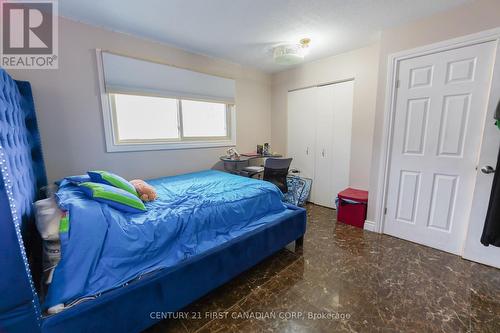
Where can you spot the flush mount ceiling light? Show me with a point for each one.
(289, 54)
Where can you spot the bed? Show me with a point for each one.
(226, 238)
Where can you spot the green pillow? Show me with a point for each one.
(108, 178)
(114, 197)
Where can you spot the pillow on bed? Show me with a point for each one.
(108, 178)
(73, 179)
(114, 197)
(78, 179)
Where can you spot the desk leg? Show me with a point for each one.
(231, 167)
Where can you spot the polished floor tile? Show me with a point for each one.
(345, 279)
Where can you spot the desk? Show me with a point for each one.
(231, 164)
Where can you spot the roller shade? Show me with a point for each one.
(129, 75)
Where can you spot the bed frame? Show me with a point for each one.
(129, 308)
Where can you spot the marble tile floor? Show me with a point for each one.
(345, 279)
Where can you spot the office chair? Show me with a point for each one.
(275, 171)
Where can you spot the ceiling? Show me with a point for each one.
(245, 31)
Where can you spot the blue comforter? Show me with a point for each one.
(105, 248)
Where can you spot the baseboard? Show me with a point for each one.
(370, 226)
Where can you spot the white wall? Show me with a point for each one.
(467, 19)
(70, 117)
(362, 65)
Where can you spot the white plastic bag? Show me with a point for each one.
(47, 218)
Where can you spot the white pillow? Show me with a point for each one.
(47, 218)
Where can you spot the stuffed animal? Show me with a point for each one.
(146, 192)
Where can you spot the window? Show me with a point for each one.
(140, 119)
(145, 118)
(203, 119)
(153, 106)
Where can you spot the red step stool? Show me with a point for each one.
(351, 207)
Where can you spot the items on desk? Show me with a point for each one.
(232, 153)
(266, 149)
(251, 154)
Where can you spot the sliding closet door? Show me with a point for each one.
(301, 130)
(342, 134)
(319, 137)
(323, 162)
(333, 142)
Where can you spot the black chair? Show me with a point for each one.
(275, 171)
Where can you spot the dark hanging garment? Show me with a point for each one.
(497, 113)
(491, 231)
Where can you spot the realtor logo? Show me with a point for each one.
(29, 34)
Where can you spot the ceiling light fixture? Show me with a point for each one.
(289, 54)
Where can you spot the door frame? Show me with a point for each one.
(393, 61)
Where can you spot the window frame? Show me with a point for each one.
(114, 144)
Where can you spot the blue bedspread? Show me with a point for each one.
(105, 248)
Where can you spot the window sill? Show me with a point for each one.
(123, 147)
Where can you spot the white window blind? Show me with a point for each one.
(129, 75)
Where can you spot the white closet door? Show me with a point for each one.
(321, 190)
(342, 134)
(301, 130)
(333, 142)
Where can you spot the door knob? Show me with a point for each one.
(487, 169)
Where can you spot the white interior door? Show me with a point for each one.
(473, 249)
(438, 125)
(302, 130)
(333, 142)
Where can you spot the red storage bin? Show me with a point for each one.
(351, 207)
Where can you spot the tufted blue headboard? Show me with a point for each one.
(22, 176)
